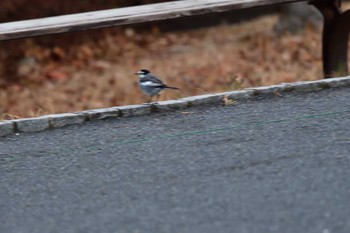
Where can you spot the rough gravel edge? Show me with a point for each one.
(60, 120)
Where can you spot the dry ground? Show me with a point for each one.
(98, 73)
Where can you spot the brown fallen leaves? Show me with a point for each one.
(95, 69)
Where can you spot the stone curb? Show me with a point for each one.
(60, 120)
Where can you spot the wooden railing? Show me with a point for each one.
(334, 38)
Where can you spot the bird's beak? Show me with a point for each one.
(136, 73)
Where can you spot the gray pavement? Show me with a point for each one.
(273, 164)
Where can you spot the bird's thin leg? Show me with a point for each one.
(150, 99)
(157, 99)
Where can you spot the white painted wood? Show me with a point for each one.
(125, 16)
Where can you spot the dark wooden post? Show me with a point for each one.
(336, 28)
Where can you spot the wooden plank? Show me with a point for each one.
(125, 16)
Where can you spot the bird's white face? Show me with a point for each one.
(142, 73)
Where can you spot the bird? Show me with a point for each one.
(150, 84)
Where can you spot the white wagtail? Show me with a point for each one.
(150, 84)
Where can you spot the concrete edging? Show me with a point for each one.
(60, 120)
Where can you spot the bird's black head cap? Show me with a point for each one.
(144, 71)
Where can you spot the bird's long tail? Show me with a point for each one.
(175, 88)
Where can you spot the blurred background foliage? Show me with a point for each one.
(94, 69)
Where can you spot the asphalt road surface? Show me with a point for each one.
(275, 164)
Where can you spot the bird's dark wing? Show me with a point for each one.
(152, 79)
